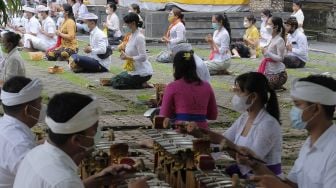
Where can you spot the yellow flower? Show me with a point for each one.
(187, 55)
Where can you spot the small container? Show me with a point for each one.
(36, 56)
(55, 69)
(105, 81)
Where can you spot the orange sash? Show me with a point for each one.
(171, 26)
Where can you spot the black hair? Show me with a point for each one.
(185, 67)
(258, 83)
(251, 18)
(44, 2)
(136, 8)
(292, 21)
(298, 3)
(13, 38)
(61, 108)
(177, 12)
(113, 6)
(94, 20)
(267, 13)
(277, 21)
(327, 82)
(132, 17)
(223, 19)
(15, 85)
(68, 8)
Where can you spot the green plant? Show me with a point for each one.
(8, 8)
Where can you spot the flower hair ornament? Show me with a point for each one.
(188, 55)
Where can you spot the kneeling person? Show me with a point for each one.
(97, 58)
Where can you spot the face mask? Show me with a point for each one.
(127, 29)
(40, 17)
(239, 103)
(214, 26)
(42, 113)
(107, 11)
(86, 28)
(296, 118)
(4, 49)
(90, 148)
(171, 19)
(264, 19)
(25, 15)
(246, 24)
(269, 29)
(61, 14)
(129, 11)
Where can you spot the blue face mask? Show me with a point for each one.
(296, 118)
(127, 29)
(86, 28)
(214, 26)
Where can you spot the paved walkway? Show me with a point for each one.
(115, 101)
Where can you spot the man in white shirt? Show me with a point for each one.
(201, 67)
(314, 99)
(32, 28)
(98, 47)
(21, 101)
(298, 14)
(46, 36)
(73, 121)
(297, 45)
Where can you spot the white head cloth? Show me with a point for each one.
(84, 119)
(312, 92)
(88, 16)
(181, 47)
(42, 8)
(29, 9)
(30, 92)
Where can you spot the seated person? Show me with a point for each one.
(257, 128)
(32, 28)
(66, 42)
(138, 69)
(13, 64)
(112, 25)
(219, 60)
(250, 47)
(265, 37)
(46, 36)
(188, 98)
(98, 45)
(82, 9)
(16, 24)
(201, 68)
(297, 45)
(314, 99)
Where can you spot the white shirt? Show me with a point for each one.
(264, 137)
(75, 7)
(202, 69)
(112, 22)
(19, 21)
(299, 45)
(299, 17)
(33, 26)
(276, 51)
(222, 40)
(82, 9)
(177, 35)
(98, 43)
(265, 37)
(16, 140)
(136, 48)
(316, 166)
(47, 166)
(48, 26)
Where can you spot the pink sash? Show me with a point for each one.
(262, 66)
(212, 54)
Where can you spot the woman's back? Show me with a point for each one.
(189, 99)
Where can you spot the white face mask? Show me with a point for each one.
(264, 19)
(42, 113)
(25, 15)
(90, 148)
(239, 103)
(246, 24)
(86, 28)
(269, 29)
(40, 17)
(107, 11)
(61, 14)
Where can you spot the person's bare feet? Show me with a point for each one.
(147, 85)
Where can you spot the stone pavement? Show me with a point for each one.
(292, 139)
